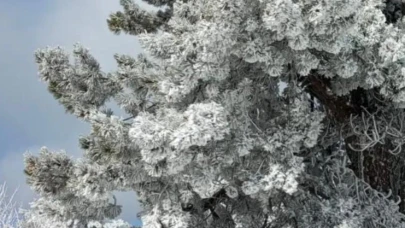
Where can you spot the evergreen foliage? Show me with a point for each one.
(242, 113)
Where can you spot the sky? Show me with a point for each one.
(29, 116)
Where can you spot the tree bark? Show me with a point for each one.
(376, 165)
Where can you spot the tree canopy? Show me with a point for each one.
(241, 113)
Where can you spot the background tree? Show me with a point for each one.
(242, 113)
(9, 209)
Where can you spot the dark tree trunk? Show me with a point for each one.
(376, 165)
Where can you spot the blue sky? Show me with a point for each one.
(29, 116)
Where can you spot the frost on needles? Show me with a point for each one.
(240, 114)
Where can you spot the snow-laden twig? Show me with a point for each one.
(9, 214)
(374, 131)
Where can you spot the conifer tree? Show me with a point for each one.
(241, 113)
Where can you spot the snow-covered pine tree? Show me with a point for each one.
(241, 113)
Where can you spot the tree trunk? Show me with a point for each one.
(376, 165)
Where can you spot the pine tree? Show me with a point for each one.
(241, 113)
